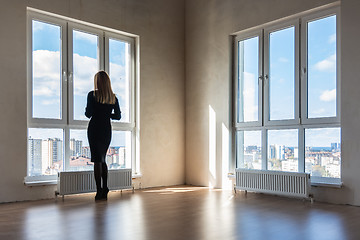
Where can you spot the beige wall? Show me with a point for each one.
(160, 25)
(209, 24)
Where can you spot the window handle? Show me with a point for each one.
(70, 75)
(64, 76)
(303, 72)
(260, 79)
(266, 78)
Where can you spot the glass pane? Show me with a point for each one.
(119, 154)
(323, 152)
(283, 150)
(119, 57)
(80, 156)
(45, 151)
(85, 64)
(248, 89)
(46, 70)
(321, 54)
(248, 152)
(282, 74)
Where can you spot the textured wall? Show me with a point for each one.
(209, 24)
(160, 25)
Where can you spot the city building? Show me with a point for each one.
(76, 147)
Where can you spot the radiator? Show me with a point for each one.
(274, 182)
(84, 182)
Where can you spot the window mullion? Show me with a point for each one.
(66, 160)
(301, 149)
(70, 62)
(264, 149)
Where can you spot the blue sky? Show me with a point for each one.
(47, 74)
(321, 79)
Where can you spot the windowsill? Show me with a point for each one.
(136, 175)
(40, 183)
(329, 185)
(326, 182)
(231, 176)
(52, 180)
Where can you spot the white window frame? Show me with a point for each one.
(67, 121)
(83, 28)
(304, 106)
(300, 121)
(47, 122)
(267, 31)
(244, 36)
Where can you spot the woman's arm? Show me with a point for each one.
(89, 110)
(117, 113)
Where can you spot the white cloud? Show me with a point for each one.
(332, 38)
(46, 70)
(84, 71)
(328, 64)
(328, 95)
(47, 74)
(318, 112)
(250, 97)
(284, 60)
(50, 102)
(78, 35)
(282, 80)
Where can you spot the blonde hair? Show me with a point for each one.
(102, 88)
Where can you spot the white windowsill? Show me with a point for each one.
(40, 183)
(52, 180)
(136, 175)
(330, 185)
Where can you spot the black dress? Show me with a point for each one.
(99, 128)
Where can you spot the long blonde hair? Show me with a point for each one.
(102, 88)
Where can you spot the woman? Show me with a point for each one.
(102, 105)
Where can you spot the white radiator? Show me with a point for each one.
(83, 182)
(273, 182)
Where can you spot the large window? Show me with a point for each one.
(287, 111)
(63, 57)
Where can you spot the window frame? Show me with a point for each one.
(244, 36)
(300, 121)
(46, 122)
(67, 121)
(304, 72)
(273, 28)
(82, 28)
(131, 41)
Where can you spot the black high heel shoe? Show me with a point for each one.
(99, 194)
(105, 192)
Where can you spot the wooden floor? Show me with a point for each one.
(181, 212)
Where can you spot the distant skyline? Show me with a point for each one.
(119, 138)
(314, 137)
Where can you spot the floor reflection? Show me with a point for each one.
(178, 213)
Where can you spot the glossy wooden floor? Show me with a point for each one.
(181, 212)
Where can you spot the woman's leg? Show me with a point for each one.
(104, 174)
(97, 175)
(104, 178)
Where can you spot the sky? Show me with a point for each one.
(321, 77)
(47, 75)
(321, 72)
